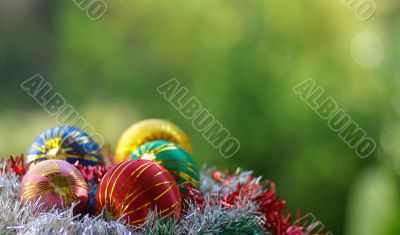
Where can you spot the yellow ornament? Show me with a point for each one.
(146, 131)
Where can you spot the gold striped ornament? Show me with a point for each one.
(129, 189)
(146, 131)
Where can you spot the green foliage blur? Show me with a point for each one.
(241, 59)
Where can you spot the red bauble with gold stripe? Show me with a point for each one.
(128, 190)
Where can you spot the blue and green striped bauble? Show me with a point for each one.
(64, 143)
(173, 157)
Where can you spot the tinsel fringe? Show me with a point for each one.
(225, 204)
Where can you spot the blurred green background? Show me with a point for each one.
(241, 59)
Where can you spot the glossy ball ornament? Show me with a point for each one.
(64, 143)
(173, 157)
(146, 131)
(129, 189)
(54, 183)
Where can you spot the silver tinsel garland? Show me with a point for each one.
(210, 219)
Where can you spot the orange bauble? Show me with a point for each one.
(131, 188)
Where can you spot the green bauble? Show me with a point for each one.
(173, 157)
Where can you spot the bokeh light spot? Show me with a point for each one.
(367, 49)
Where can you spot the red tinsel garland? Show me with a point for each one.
(270, 207)
(13, 164)
(92, 173)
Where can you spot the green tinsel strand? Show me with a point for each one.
(163, 227)
(245, 226)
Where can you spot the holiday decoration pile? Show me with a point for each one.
(151, 186)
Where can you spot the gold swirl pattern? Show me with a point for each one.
(53, 182)
(64, 143)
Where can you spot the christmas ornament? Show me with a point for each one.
(54, 183)
(171, 156)
(131, 188)
(64, 143)
(146, 131)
